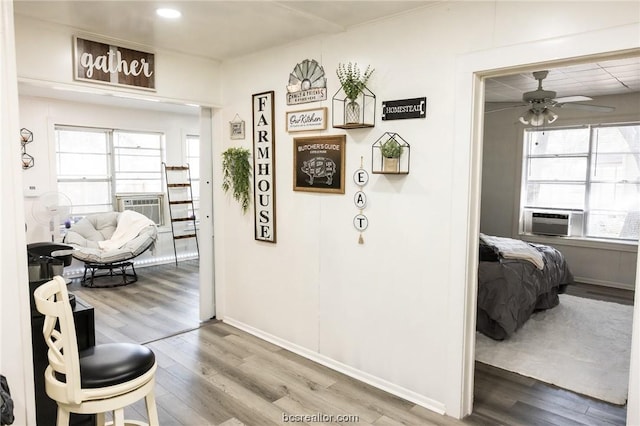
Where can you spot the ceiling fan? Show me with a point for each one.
(540, 101)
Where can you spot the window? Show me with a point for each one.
(95, 164)
(84, 172)
(592, 172)
(193, 159)
(138, 162)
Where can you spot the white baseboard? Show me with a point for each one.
(365, 377)
(623, 286)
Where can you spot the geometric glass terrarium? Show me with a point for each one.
(354, 113)
(390, 154)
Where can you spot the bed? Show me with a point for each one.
(515, 279)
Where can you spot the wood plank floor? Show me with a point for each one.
(162, 303)
(215, 374)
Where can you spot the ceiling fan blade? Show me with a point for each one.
(504, 108)
(578, 98)
(586, 107)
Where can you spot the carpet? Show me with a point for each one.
(582, 345)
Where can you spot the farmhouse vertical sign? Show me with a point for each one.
(264, 177)
(110, 64)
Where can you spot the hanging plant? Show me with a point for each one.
(236, 175)
(352, 80)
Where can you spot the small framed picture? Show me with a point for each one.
(318, 164)
(236, 129)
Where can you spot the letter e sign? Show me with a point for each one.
(361, 177)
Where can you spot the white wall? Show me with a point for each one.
(387, 311)
(15, 330)
(611, 264)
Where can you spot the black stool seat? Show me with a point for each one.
(114, 363)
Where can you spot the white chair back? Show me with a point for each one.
(52, 300)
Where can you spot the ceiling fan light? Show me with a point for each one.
(537, 120)
(527, 116)
(550, 115)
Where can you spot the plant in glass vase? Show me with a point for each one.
(353, 83)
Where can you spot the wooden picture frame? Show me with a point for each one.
(318, 164)
(307, 119)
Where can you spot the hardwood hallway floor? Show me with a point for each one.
(214, 374)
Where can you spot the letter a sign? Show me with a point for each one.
(264, 174)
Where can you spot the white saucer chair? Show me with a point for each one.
(109, 241)
(104, 378)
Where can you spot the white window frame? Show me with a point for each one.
(110, 158)
(579, 216)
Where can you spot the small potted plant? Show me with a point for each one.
(236, 175)
(353, 83)
(391, 151)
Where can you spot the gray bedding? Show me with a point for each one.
(510, 290)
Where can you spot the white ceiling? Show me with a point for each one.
(222, 30)
(214, 29)
(592, 79)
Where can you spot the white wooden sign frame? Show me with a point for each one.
(306, 120)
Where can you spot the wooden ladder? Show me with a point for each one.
(180, 197)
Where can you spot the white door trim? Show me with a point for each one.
(467, 167)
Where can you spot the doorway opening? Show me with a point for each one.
(177, 124)
(503, 198)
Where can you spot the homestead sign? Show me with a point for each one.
(109, 64)
(404, 108)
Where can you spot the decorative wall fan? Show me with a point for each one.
(541, 101)
(308, 74)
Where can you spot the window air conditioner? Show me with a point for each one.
(148, 204)
(550, 223)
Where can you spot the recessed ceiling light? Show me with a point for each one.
(168, 13)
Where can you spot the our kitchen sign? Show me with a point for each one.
(109, 64)
(308, 119)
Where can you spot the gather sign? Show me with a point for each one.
(106, 63)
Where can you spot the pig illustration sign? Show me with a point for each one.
(319, 164)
